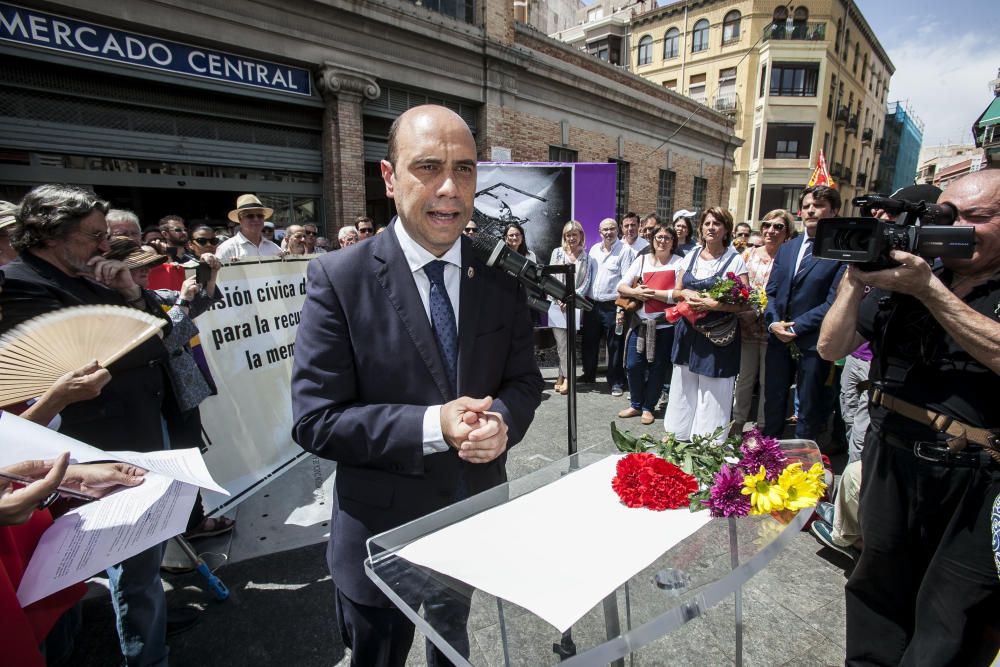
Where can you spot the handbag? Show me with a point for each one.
(628, 304)
(720, 331)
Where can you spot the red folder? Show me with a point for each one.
(658, 280)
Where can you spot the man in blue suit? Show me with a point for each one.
(800, 291)
(415, 372)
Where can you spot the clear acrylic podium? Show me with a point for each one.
(698, 573)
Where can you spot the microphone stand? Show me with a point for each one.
(566, 648)
(570, 272)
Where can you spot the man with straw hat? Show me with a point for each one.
(249, 241)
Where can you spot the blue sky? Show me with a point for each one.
(945, 54)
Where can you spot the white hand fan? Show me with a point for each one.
(38, 352)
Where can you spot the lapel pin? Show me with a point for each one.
(471, 272)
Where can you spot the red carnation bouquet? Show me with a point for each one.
(646, 480)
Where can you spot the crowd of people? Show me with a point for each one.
(709, 364)
(892, 345)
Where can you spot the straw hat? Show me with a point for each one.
(248, 203)
(132, 254)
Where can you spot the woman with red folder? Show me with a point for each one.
(650, 279)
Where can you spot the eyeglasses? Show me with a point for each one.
(206, 241)
(661, 238)
(776, 226)
(471, 230)
(98, 237)
(365, 230)
(308, 233)
(176, 230)
(253, 216)
(756, 245)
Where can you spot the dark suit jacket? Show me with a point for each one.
(367, 366)
(127, 413)
(803, 298)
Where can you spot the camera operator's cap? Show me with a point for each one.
(269, 224)
(924, 192)
(248, 203)
(684, 213)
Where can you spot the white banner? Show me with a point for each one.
(249, 343)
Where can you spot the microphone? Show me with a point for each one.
(494, 252)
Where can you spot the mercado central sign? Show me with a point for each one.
(57, 33)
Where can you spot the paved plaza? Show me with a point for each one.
(280, 611)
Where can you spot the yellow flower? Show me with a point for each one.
(765, 497)
(816, 476)
(800, 489)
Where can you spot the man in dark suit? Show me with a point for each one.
(416, 372)
(800, 291)
(61, 234)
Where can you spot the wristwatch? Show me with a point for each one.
(182, 302)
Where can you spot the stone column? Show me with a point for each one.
(344, 90)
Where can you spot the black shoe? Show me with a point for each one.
(181, 620)
(823, 532)
(586, 379)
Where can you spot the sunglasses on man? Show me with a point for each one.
(365, 230)
(206, 241)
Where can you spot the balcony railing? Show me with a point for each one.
(815, 32)
(852, 124)
(843, 115)
(866, 135)
(862, 180)
(727, 104)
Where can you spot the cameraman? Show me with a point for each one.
(925, 589)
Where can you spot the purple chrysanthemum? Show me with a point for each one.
(758, 450)
(726, 497)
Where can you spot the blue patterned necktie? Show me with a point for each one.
(443, 320)
(806, 254)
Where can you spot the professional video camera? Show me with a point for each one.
(919, 228)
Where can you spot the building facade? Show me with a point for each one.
(177, 107)
(901, 141)
(794, 79)
(934, 159)
(547, 16)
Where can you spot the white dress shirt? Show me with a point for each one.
(416, 258)
(610, 267)
(240, 246)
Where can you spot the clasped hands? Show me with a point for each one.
(478, 434)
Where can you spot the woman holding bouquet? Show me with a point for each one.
(777, 227)
(706, 350)
(650, 339)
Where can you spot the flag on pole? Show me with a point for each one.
(820, 175)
